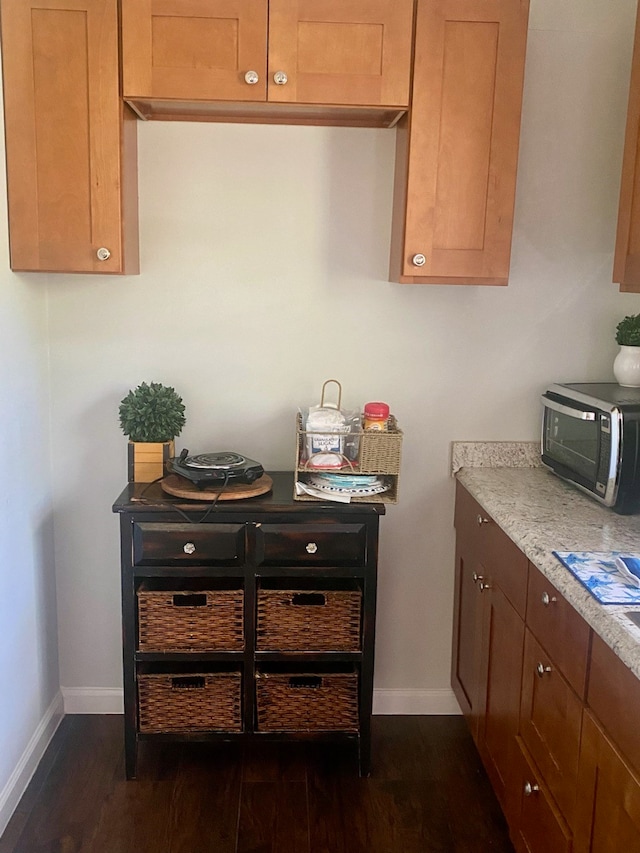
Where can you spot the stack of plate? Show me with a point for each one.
(353, 485)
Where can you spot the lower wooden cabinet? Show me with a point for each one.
(553, 710)
(608, 815)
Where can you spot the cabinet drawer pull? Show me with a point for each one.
(418, 260)
(541, 669)
(188, 682)
(188, 548)
(530, 788)
(251, 78)
(280, 78)
(309, 599)
(103, 254)
(311, 548)
(548, 599)
(482, 520)
(476, 577)
(484, 586)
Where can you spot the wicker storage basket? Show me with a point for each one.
(208, 620)
(297, 620)
(190, 702)
(307, 703)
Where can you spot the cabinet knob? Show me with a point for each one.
(311, 548)
(482, 520)
(548, 599)
(530, 788)
(103, 254)
(189, 548)
(251, 77)
(484, 586)
(418, 260)
(476, 577)
(541, 669)
(280, 78)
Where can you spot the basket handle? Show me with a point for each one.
(188, 682)
(195, 599)
(331, 405)
(309, 599)
(298, 681)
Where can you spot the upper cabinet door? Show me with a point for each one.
(71, 147)
(626, 263)
(194, 49)
(340, 52)
(457, 155)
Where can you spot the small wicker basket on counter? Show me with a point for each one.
(377, 453)
(307, 702)
(190, 702)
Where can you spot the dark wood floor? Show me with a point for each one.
(427, 793)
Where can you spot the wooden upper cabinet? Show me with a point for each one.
(626, 262)
(70, 142)
(181, 58)
(457, 152)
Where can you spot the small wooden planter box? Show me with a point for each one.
(147, 458)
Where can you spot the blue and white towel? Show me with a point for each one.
(612, 577)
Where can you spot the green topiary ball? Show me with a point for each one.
(628, 331)
(152, 412)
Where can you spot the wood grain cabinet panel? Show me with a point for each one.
(626, 262)
(70, 141)
(608, 812)
(329, 53)
(457, 152)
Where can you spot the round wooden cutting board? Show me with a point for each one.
(180, 487)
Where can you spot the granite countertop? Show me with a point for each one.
(542, 514)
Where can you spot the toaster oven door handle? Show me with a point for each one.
(579, 414)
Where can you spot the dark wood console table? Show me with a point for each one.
(251, 620)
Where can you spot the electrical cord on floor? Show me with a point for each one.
(141, 499)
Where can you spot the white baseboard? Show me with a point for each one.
(427, 702)
(93, 700)
(108, 700)
(29, 760)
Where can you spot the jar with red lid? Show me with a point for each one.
(376, 417)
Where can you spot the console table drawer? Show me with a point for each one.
(311, 544)
(156, 544)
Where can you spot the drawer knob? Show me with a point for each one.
(476, 577)
(311, 548)
(541, 669)
(548, 599)
(482, 520)
(530, 788)
(251, 77)
(189, 548)
(484, 585)
(280, 78)
(103, 254)
(419, 260)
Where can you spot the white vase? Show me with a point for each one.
(626, 367)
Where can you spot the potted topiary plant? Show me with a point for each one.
(626, 367)
(152, 416)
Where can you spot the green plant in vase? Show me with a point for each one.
(152, 415)
(626, 366)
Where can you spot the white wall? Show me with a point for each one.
(30, 703)
(264, 258)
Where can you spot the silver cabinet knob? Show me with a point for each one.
(280, 78)
(482, 520)
(311, 548)
(418, 260)
(476, 577)
(547, 599)
(103, 254)
(484, 586)
(541, 669)
(251, 77)
(189, 548)
(530, 788)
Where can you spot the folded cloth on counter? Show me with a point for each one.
(612, 577)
